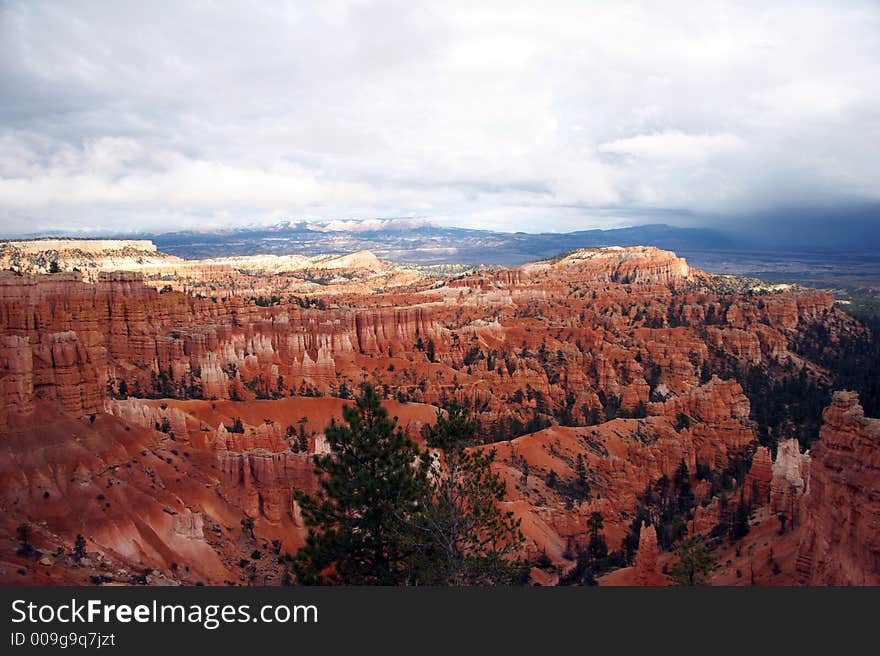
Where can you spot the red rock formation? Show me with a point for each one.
(189, 525)
(118, 485)
(758, 480)
(262, 483)
(840, 539)
(706, 517)
(82, 335)
(134, 411)
(16, 376)
(718, 413)
(791, 475)
(646, 570)
(624, 457)
(646, 557)
(635, 265)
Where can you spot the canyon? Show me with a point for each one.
(166, 409)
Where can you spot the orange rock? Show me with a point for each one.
(16, 376)
(840, 538)
(646, 556)
(791, 473)
(758, 480)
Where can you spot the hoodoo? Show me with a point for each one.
(840, 543)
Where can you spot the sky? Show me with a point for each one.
(148, 117)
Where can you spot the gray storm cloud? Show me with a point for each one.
(152, 116)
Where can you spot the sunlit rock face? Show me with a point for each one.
(840, 544)
(791, 474)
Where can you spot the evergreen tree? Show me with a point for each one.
(463, 537)
(739, 527)
(79, 548)
(302, 440)
(23, 533)
(582, 573)
(597, 548)
(683, 490)
(373, 484)
(694, 563)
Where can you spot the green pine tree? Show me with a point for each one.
(463, 536)
(695, 562)
(597, 547)
(373, 484)
(79, 548)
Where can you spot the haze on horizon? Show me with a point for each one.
(149, 117)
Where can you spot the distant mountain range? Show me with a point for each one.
(421, 242)
(851, 270)
(851, 273)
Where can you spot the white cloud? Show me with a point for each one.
(674, 145)
(500, 114)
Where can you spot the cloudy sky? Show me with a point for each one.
(123, 116)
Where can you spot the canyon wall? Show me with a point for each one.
(840, 543)
(75, 342)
